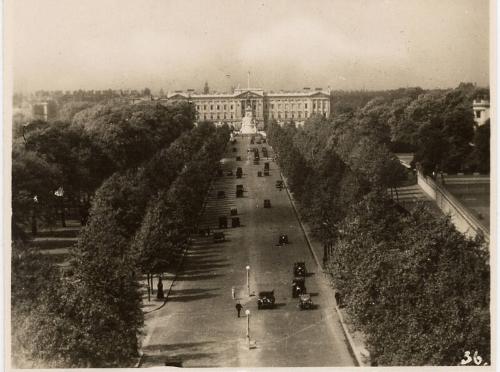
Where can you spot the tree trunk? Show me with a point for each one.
(149, 288)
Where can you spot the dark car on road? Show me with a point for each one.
(299, 269)
(266, 300)
(267, 203)
(219, 237)
(298, 286)
(223, 222)
(235, 222)
(305, 302)
(283, 239)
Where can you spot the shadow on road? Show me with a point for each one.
(203, 296)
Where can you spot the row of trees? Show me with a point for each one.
(414, 285)
(437, 125)
(78, 156)
(140, 218)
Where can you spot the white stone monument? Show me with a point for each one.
(248, 124)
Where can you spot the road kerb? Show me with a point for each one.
(352, 347)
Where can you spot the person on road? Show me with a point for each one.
(238, 308)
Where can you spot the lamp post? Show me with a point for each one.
(247, 312)
(248, 280)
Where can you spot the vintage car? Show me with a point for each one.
(299, 269)
(219, 237)
(223, 222)
(239, 191)
(283, 239)
(265, 300)
(298, 286)
(235, 222)
(305, 302)
(267, 203)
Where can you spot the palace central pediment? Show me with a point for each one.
(248, 94)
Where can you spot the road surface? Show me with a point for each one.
(199, 325)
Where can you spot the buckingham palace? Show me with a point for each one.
(229, 108)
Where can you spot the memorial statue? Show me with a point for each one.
(247, 123)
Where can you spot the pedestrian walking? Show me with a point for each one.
(238, 308)
(233, 293)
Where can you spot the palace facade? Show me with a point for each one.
(283, 107)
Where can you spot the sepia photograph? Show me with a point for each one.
(249, 184)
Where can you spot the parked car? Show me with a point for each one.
(299, 269)
(267, 203)
(219, 237)
(265, 300)
(298, 286)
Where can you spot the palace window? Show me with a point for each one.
(272, 106)
(211, 116)
(231, 107)
(211, 107)
(314, 105)
(305, 106)
(205, 107)
(231, 116)
(225, 107)
(224, 115)
(279, 106)
(286, 106)
(218, 108)
(218, 116)
(204, 116)
(300, 114)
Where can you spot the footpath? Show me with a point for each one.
(356, 339)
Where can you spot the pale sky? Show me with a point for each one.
(286, 44)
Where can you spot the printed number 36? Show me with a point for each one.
(476, 358)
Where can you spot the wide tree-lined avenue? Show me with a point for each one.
(199, 323)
